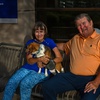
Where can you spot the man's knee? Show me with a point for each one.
(89, 96)
(44, 85)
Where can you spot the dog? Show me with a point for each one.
(40, 50)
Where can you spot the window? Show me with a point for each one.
(59, 15)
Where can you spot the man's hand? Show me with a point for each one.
(91, 86)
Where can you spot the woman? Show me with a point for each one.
(27, 76)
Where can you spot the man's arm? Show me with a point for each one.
(60, 46)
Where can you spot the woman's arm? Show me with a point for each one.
(32, 60)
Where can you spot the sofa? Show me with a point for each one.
(13, 57)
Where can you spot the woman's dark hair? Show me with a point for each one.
(40, 25)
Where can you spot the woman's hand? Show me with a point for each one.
(40, 64)
(45, 59)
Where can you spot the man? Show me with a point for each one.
(84, 75)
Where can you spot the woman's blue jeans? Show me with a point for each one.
(24, 78)
(65, 82)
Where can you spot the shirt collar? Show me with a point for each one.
(94, 34)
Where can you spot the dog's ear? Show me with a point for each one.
(48, 51)
(31, 48)
(27, 50)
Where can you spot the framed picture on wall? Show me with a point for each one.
(8, 11)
